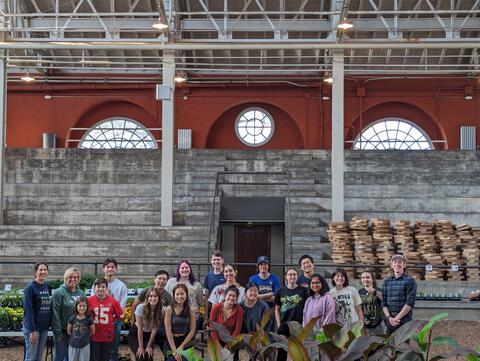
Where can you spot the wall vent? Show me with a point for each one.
(184, 139)
(468, 137)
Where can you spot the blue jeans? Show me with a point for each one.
(61, 348)
(34, 351)
(117, 329)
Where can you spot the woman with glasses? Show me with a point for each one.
(319, 304)
(63, 307)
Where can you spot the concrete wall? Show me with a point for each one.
(68, 204)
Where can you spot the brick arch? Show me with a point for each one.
(287, 134)
(109, 110)
(401, 110)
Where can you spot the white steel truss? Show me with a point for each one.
(234, 39)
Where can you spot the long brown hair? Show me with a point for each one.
(153, 314)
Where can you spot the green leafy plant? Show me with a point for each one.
(11, 299)
(11, 318)
(189, 354)
(346, 343)
(424, 338)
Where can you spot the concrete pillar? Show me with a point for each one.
(168, 78)
(337, 137)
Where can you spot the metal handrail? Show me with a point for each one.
(67, 141)
(199, 265)
(214, 198)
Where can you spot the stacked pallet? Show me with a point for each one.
(363, 243)
(341, 239)
(469, 240)
(382, 238)
(428, 249)
(449, 248)
(405, 244)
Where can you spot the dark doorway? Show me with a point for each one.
(250, 242)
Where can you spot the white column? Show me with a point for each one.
(168, 79)
(337, 137)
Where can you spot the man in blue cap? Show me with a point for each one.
(267, 282)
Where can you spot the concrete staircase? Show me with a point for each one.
(71, 205)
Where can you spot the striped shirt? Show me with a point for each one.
(397, 292)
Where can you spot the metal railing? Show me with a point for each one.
(70, 130)
(198, 267)
(211, 225)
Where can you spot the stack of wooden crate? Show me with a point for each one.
(428, 248)
(341, 239)
(449, 248)
(363, 243)
(469, 240)
(405, 244)
(383, 240)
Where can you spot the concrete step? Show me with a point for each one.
(422, 156)
(82, 190)
(83, 177)
(409, 190)
(438, 205)
(319, 251)
(75, 154)
(107, 164)
(73, 203)
(469, 218)
(101, 233)
(431, 179)
(80, 249)
(44, 217)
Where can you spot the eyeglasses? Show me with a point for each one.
(316, 283)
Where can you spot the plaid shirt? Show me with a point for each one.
(397, 292)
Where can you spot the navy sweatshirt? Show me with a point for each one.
(36, 307)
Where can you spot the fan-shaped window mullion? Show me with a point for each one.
(393, 133)
(118, 133)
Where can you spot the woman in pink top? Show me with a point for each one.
(319, 304)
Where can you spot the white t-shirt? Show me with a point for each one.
(218, 294)
(345, 301)
(147, 326)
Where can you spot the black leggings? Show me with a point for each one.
(133, 342)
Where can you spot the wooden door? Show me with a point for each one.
(250, 242)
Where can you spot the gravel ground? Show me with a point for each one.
(467, 333)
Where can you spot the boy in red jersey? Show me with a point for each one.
(105, 310)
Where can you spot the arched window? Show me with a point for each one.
(254, 126)
(118, 133)
(393, 133)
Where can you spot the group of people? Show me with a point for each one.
(170, 313)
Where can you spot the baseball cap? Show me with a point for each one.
(250, 285)
(263, 259)
(398, 256)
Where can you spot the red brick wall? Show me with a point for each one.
(302, 118)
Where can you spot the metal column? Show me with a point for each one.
(168, 77)
(337, 137)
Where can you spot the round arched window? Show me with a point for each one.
(118, 133)
(254, 126)
(393, 133)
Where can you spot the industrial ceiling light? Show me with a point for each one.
(159, 25)
(27, 78)
(180, 78)
(328, 78)
(345, 25)
(468, 92)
